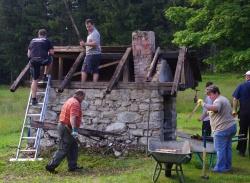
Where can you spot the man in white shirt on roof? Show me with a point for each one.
(93, 52)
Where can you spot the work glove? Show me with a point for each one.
(74, 133)
(200, 102)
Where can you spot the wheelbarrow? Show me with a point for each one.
(169, 153)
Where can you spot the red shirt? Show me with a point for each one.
(72, 107)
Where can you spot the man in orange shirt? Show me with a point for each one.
(69, 122)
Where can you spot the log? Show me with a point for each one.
(47, 125)
(16, 83)
(71, 72)
(180, 62)
(153, 64)
(118, 71)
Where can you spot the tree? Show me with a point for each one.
(224, 23)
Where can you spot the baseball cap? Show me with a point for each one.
(248, 73)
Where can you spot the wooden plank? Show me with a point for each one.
(180, 62)
(16, 83)
(118, 70)
(71, 72)
(153, 64)
(47, 125)
(60, 68)
(120, 85)
(78, 49)
(100, 67)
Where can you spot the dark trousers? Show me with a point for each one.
(244, 124)
(206, 126)
(67, 147)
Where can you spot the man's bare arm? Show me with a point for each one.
(73, 121)
(28, 53)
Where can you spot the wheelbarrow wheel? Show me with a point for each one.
(157, 172)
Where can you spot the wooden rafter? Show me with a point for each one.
(16, 83)
(180, 62)
(71, 72)
(153, 64)
(118, 71)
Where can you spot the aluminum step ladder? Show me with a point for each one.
(29, 142)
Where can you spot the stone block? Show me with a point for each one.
(156, 116)
(143, 141)
(134, 108)
(108, 114)
(116, 127)
(45, 143)
(128, 117)
(137, 132)
(143, 107)
(51, 116)
(98, 102)
(91, 113)
(53, 133)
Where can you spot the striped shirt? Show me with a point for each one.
(72, 107)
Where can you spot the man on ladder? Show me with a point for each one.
(40, 53)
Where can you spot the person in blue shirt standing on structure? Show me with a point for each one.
(242, 95)
(93, 52)
(40, 53)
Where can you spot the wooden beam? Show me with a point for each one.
(153, 64)
(60, 68)
(120, 85)
(100, 67)
(47, 125)
(118, 70)
(16, 83)
(179, 65)
(78, 49)
(126, 72)
(108, 64)
(71, 72)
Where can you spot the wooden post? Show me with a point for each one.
(60, 68)
(143, 43)
(71, 72)
(19, 78)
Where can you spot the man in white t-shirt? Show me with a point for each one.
(223, 127)
(93, 52)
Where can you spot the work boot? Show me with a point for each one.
(34, 101)
(76, 169)
(51, 170)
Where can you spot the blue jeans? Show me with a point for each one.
(223, 148)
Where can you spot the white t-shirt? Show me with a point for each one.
(94, 36)
(222, 119)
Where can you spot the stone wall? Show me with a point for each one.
(123, 111)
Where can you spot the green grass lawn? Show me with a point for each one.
(132, 169)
